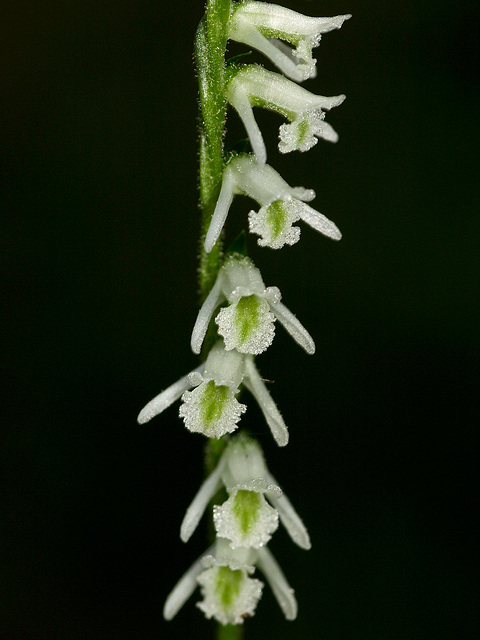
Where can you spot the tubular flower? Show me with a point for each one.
(212, 408)
(245, 518)
(229, 594)
(253, 86)
(280, 205)
(266, 27)
(247, 324)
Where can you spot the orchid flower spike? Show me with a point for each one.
(246, 519)
(212, 408)
(266, 27)
(247, 324)
(229, 593)
(281, 205)
(252, 85)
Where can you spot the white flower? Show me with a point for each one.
(253, 85)
(212, 408)
(247, 324)
(245, 518)
(266, 27)
(281, 205)
(229, 594)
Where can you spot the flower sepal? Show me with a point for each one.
(267, 27)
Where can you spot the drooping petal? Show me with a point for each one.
(257, 388)
(238, 97)
(278, 583)
(205, 315)
(200, 502)
(183, 589)
(280, 56)
(294, 327)
(289, 517)
(165, 398)
(221, 209)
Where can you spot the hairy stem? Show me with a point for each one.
(210, 46)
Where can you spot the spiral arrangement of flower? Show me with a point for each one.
(236, 321)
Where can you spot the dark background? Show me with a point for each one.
(99, 231)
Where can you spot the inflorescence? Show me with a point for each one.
(245, 314)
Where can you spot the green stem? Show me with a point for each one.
(230, 632)
(210, 46)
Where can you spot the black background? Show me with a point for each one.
(99, 230)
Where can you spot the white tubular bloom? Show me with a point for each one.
(280, 205)
(253, 85)
(245, 519)
(212, 408)
(266, 27)
(247, 324)
(229, 594)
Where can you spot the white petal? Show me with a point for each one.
(274, 225)
(281, 589)
(294, 327)
(197, 508)
(238, 98)
(250, 36)
(183, 590)
(305, 65)
(221, 210)
(327, 132)
(247, 325)
(289, 517)
(306, 195)
(263, 14)
(259, 182)
(246, 519)
(244, 462)
(316, 220)
(279, 93)
(240, 277)
(242, 558)
(211, 409)
(257, 388)
(205, 315)
(165, 398)
(224, 367)
(229, 595)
